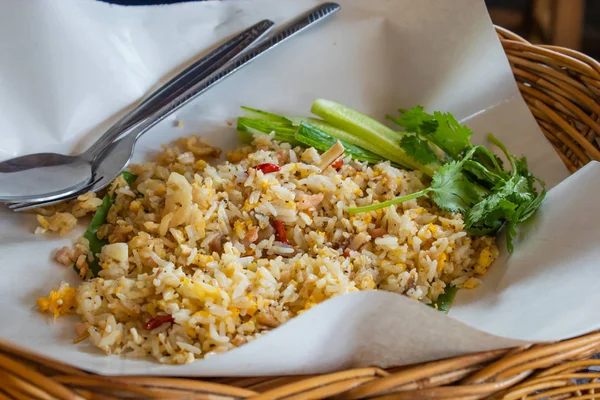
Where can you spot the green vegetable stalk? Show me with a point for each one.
(373, 135)
(444, 300)
(310, 135)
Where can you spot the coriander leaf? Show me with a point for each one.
(512, 159)
(481, 191)
(485, 230)
(418, 149)
(441, 129)
(509, 202)
(490, 213)
(523, 213)
(450, 136)
(482, 174)
(451, 190)
(518, 189)
(530, 208)
(416, 120)
(523, 170)
(488, 216)
(444, 301)
(490, 161)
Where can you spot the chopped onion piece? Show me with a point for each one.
(358, 241)
(329, 157)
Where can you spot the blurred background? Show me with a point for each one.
(569, 23)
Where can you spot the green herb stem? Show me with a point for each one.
(397, 200)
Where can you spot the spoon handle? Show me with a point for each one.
(288, 30)
(179, 84)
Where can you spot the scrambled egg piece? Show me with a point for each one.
(236, 156)
(441, 262)
(239, 227)
(201, 260)
(197, 290)
(252, 309)
(487, 256)
(59, 302)
(135, 205)
(367, 283)
(471, 283)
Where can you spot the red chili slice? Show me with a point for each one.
(280, 233)
(158, 321)
(268, 167)
(337, 164)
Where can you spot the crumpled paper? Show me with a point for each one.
(71, 67)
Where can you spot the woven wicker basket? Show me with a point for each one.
(562, 89)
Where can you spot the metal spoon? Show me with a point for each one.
(46, 176)
(118, 155)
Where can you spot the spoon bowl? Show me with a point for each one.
(49, 174)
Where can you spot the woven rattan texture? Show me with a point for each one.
(562, 88)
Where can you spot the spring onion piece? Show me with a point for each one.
(309, 132)
(253, 113)
(96, 244)
(129, 177)
(98, 220)
(283, 131)
(444, 300)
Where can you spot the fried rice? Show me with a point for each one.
(206, 257)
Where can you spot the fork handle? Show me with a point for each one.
(180, 84)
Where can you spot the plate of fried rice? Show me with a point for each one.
(202, 254)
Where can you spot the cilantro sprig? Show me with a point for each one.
(471, 180)
(439, 128)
